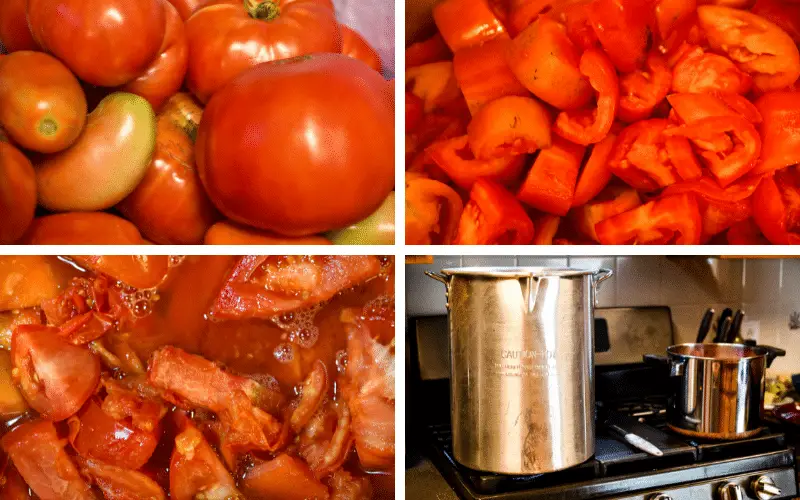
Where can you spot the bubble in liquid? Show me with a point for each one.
(267, 380)
(175, 260)
(284, 353)
(141, 308)
(298, 390)
(300, 327)
(341, 361)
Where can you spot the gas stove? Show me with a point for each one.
(633, 396)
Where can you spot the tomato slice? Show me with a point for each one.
(283, 477)
(433, 210)
(463, 23)
(583, 127)
(701, 72)
(642, 90)
(54, 376)
(780, 130)
(120, 483)
(435, 84)
(720, 216)
(39, 456)
(509, 126)
(691, 108)
(427, 51)
(546, 229)
(776, 207)
(782, 13)
(758, 46)
(614, 201)
(493, 217)
(623, 28)
(746, 233)
(550, 184)
(96, 435)
(641, 157)
(668, 219)
(454, 157)
(596, 174)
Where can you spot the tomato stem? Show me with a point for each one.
(264, 10)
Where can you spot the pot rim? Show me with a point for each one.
(518, 271)
(691, 345)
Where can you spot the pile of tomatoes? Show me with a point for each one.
(605, 121)
(191, 121)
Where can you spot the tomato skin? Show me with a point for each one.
(81, 228)
(464, 23)
(546, 62)
(230, 233)
(357, 47)
(170, 205)
(493, 216)
(700, 72)
(509, 126)
(100, 51)
(780, 130)
(38, 454)
(596, 174)
(17, 193)
(454, 157)
(433, 210)
(14, 31)
(54, 376)
(138, 271)
(550, 184)
(164, 76)
(623, 30)
(42, 106)
(217, 32)
(186, 8)
(655, 222)
(120, 483)
(294, 158)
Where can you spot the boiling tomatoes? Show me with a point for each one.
(104, 42)
(225, 39)
(17, 193)
(311, 138)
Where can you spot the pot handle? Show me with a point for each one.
(675, 369)
(600, 276)
(442, 279)
(772, 353)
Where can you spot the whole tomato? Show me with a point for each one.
(14, 31)
(355, 46)
(225, 39)
(299, 147)
(230, 233)
(42, 105)
(104, 42)
(17, 193)
(169, 206)
(165, 75)
(81, 228)
(186, 8)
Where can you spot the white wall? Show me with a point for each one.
(768, 290)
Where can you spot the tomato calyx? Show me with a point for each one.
(262, 10)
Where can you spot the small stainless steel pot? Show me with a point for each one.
(522, 366)
(718, 389)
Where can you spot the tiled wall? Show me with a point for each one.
(768, 290)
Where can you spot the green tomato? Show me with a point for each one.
(377, 229)
(108, 160)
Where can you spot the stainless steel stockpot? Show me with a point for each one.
(522, 366)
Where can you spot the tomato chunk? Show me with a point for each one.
(138, 271)
(623, 28)
(509, 126)
(700, 72)
(596, 174)
(550, 185)
(455, 158)
(614, 201)
(776, 207)
(433, 210)
(669, 219)
(120, 483)
(780, 130)
(641, 157)
(283, 477)
(642, 90)
(464, 23)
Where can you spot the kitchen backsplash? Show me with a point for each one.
(768, 290)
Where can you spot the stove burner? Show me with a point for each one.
(652, 409)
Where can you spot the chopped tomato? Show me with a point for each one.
(259, 287)
(575, 16)
(691, 108)
(314, 388)
(758, 46)
(546, 229)
(642, 90)
(776, 207)
(14, 487)
(414, 112)
(700, 72)
(455, 158)
(545, 61)
(668, 219)
(96, 435)
(670, 14)
(746, 233)
(120, 483)
(596, 174)
(434, 83)
(719, 216)
(54, 376)
(550, 184)
(39, 456)
(493, 216)
(283, 477)
(484, 75)
(589, 127)
(641, 157)
(614, 201)
(709, 189)
(780, 130)
(783, 13)
(427, 51)
(623, 28)
(523, 13)
(346, 487)
(509, 126)
(433, 210)
(464, 23)
(138, 271)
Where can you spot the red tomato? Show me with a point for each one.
(165, 75)
(230, 233)
(550, 184)
(641, 158)
(545, 61)
(773, 62)
(269, 29)
(38, 454)
(311, 124)
(493, 217)
(776, 207)
(14, 31)
(509, 126)
(17, 193)
(433, 210)
(643, 90)
(357, 47)
(464, 23)
(138, 271)
(96, 435)
(120, 483)
(667, 219)
(454, 157)
(780, 130)
(782, 13)
(42, 106)
(186, 8)
(699, 72)
(170, 205)
(691, 108)
(613, 201)
(54, 376)
(596, 174)
(623, 28)
(283, 477)
(81, 228)
(104, 42)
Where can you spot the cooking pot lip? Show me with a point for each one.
(517, 271)
(755, 351)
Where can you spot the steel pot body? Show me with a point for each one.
(718, 389)
(522, 367)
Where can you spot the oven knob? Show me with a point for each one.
(764, 488)
(730, 491)
(660, 496)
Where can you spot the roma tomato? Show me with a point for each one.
(355, 46)
(55, 377)
(107, 161)
(165, 75)
(81, 228)
(42, 106)
(760, 48)
(14, 31)
(230, 233)
(17, 193)
(169, 205)
(319, 148)
(269, 29)
(780, 130)
(104, 42)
